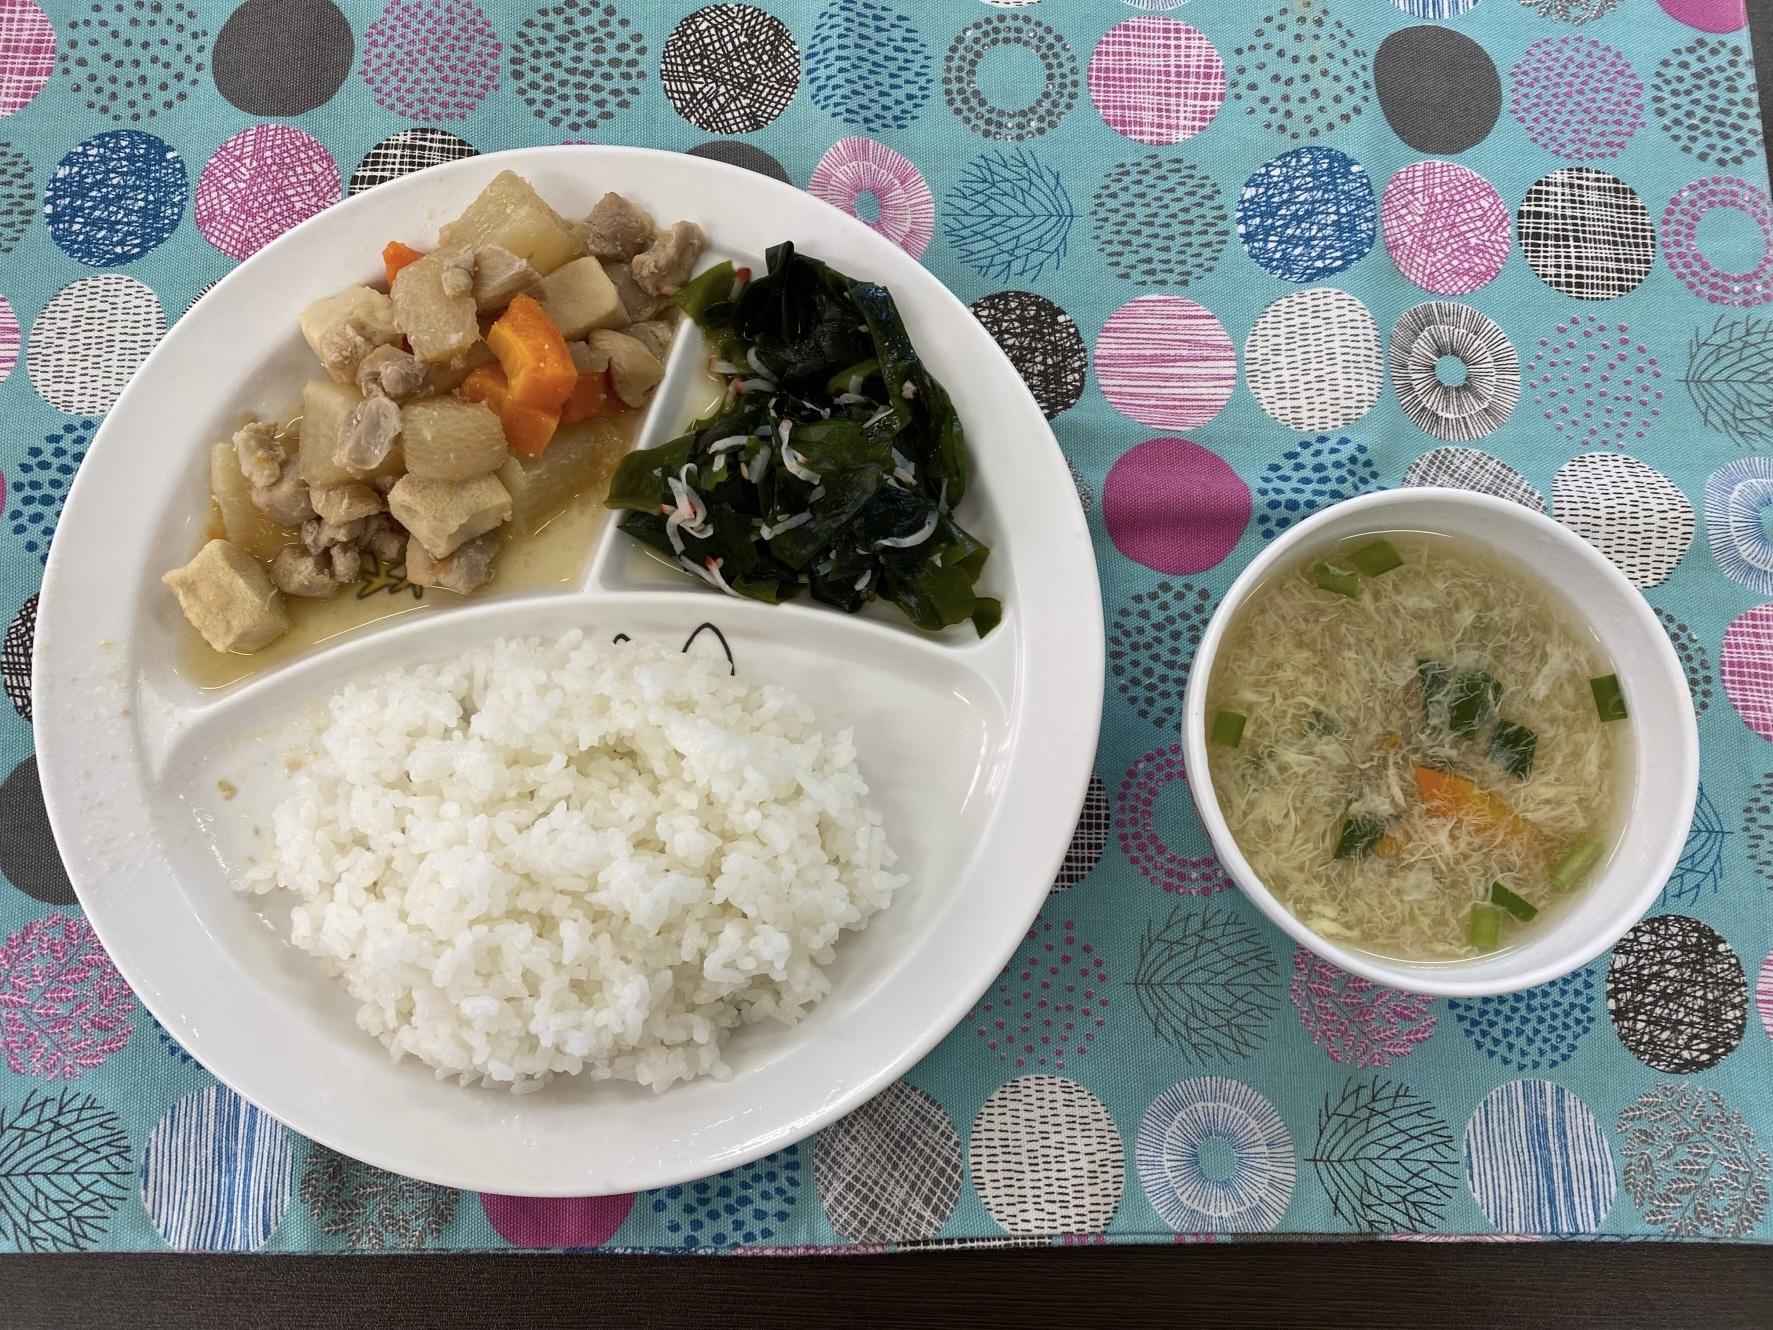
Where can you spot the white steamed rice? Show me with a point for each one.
(539, 859)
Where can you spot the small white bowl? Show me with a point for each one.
(1665, 762)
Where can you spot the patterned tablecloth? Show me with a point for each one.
(1250, 263)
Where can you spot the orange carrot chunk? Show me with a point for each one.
(1450, 796)
(527, 430)
(592, 396)
(396, 256)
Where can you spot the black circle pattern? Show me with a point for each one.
(736, 153)
(1159, 221)
(1704, 95)
(1757, 823)
(1438, 89)
(15, 658)
(960, 78)
(1695, 663)
(1301, 73)
(28, 856)
(730, 69)
(252, 63)
(578, 64)
(1042, 342)
(1150, 645)
(1677, 994)
(1088, 841)
(18, 196)
(132, 60)
(1586, 233)
(408, 151)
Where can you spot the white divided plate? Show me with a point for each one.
(977, 751)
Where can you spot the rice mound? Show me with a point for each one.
(541, 859)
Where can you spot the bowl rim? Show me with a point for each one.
(1683, 754)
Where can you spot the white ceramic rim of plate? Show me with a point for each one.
(1452, 978)
(1058, 676)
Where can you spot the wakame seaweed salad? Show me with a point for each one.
(833, 463)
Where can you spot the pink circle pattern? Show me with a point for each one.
(260, 183)
(1708, 15)
(64, 1008)
(1145, 848)
(431, 59)
(1156, 80)
(1746, 668)
(1680, 240)
(1764, 994)
(1355, 1020)
(27, 54)
(1175, 506)
(1446, 227)
(546, 1222)
(857, 165)
(1577, 97)
(1049, 1002)
(10, 339)
(1597, 384)
(1166, 361)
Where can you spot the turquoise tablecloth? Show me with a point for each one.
(1228, 250)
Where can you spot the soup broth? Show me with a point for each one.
(1418, 749)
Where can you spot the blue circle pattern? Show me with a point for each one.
(1536, 1029)
(41, 483)
(1314, 475)
(216, 1173)
(867, 65)
(743, 1208)
(115, 197)
(1187, 1119)
(1436, 8)
(1738, 496)
(1307, 214)
(1537, 1160)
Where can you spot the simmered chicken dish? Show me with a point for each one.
(456, 408)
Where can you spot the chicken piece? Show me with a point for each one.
(260, 451)
(446, 376)
(443, 515)
(655, 335)
(367, 435)
(434, 305)
(665, 267)
(468, 569)
(636, 302)
(579, 296)
(499, 275)
(617, 228)
(633, 370)
(226, 595)
(382, 540)
(286, 502)
(319, 535)
(346, 562)
(342, 330)
(339, 504)
(299, 573)
(587, 359)
(390, 372)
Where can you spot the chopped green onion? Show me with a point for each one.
(1485, 932)
(1609, 699)
(1472, 702)
(1377, 558)
(1334, 577)
(1583, 854)
(1359, 836)
(1227, 729)
(1512, 747)
(1518, 906)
